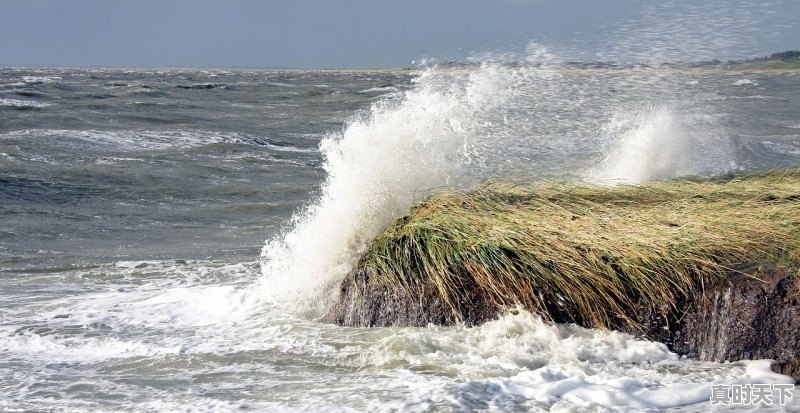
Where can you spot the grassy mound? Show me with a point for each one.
(591, 254)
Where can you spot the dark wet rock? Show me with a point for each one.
(789, 367)
(753, 313)
(363, 302)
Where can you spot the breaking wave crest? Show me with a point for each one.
(656, 143)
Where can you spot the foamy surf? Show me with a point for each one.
(521, 363)
(517, 363)
(207, 311)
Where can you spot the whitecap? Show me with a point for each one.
(743, 82)
(22, 103)
(37, 80)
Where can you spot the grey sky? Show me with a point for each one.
(376, 33)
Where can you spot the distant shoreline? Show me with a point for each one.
(788, 61)
(740, 68)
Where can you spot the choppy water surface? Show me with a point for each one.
(168, 237)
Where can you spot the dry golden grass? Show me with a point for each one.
(595, 252)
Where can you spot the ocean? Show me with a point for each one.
(169, 237)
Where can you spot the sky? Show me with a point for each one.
(380, 33)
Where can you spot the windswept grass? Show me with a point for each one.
(591, 254)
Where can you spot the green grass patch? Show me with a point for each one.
(769, 64)
(595, 253)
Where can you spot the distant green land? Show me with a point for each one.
(784, 60)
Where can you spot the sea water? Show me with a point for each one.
(168, 238)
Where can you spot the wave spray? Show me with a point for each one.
(454, 128)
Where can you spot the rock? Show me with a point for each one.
(753, 313)
(363, 302)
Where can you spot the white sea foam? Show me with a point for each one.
(516, 362)
(136, 140)
(743, 82)
(201, 405)
(156, 315)
(195, 293)
(785, 148)
(66, 349)
(520, 363)
(22, 103)
(553, 389)
(515, 341)
(35, 80)
(125, 139)
(385, 90)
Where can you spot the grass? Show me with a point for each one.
(594, 253)
(769, 64)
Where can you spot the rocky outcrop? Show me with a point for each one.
(753, 313)
(365, 302)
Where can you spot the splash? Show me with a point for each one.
(498, 116)
(656, 143)
(441, 134)
(376, 168)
